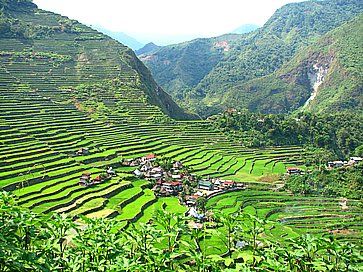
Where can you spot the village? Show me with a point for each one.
(168, 178)
(171, 178)
(338, 164)
(329, 166)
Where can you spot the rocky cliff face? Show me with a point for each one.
(323, 77)
(316, 77)
(209, 80)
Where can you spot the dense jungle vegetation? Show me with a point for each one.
(340, 133)
(344, 182)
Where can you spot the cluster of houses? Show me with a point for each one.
(216, 184)
(338, 164)
(330, 165)
(209, 186)
(86, 180)
(167, 181)
(151, 170)
(172, 181)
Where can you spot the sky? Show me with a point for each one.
(166, 21)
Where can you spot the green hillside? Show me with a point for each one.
(63, 54)
(250, 56)
(179, 68)
(64, 87)
(334, 64)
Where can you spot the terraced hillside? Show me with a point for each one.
(58, 93)
(46, 51)
(41, 133)
(296, 215)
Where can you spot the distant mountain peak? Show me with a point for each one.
(209, 75)
(121, 37)
(147, 49)
(246, 28)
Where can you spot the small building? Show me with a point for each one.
(155, 176)
(199, 193)
(194, 213)
(138, 173)
(85, 179)
(172, 187)
(205, 185)
(228, 184)
(157, 170)
(335, 164)
(149, 157)
(178, 176)
(97, 180)
(177, 165)
(294, 171)
(195, 225)
(82, 151)
(231, 110)
(356, 159)
(192, 200)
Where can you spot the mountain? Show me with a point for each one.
(41, 50)
(148, 49)
(326, 76)
(122, 38)
(180, 67)
(250, 56)
(246, 28)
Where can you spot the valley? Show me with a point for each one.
(84, 124)
(266, 70)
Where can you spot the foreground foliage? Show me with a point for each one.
(33, 243)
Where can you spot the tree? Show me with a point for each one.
(359, 151)
(232, 226)
(201, 203)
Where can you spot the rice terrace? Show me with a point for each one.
(102, 171)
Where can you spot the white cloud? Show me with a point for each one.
(159, 19)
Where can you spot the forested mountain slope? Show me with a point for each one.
(250, 56)
(43, 50)
(326, 76)
(179, 68)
